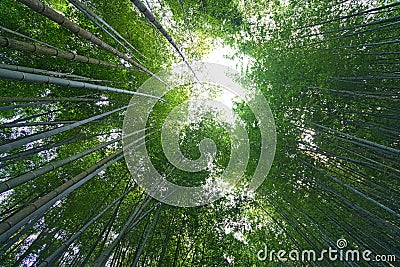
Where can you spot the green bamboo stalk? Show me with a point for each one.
(28, 77)
(95, 21)
(26, 37)
(41, 8)
(103, 257)
(26, 140)
(54, 52)
(50, 260)
(352, 15)
(353, 190)
(13, 223)
(150, 17)
(94, 15)
(53, 73)
(33, 174)
(153, 223)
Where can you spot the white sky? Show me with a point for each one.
(219, 55)
(221, 51)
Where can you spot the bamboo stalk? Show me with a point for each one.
(50, 260)
(26, 47)
(41, 8)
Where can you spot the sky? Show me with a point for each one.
(222, 54)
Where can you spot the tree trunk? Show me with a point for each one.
(102, 259)
(94, 15)
(51, 260)
(32, 151)
(11, 183)
(153, 223)
(13, 223)
(53, 73)
(54, 52)
(28, 77)
(142, 8)
(352, 15)
(353, 189)
(26, 37)
(41, 8)
(26, 140)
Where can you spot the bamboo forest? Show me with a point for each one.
(199, 133)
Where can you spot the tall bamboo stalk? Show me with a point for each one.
(39, 7)
(150, 17)
(11, 183)
(13, 223)
(53, 73)
(50, 260)
(94, 15)
(54, 52)
(29, 77)
(17, 143)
